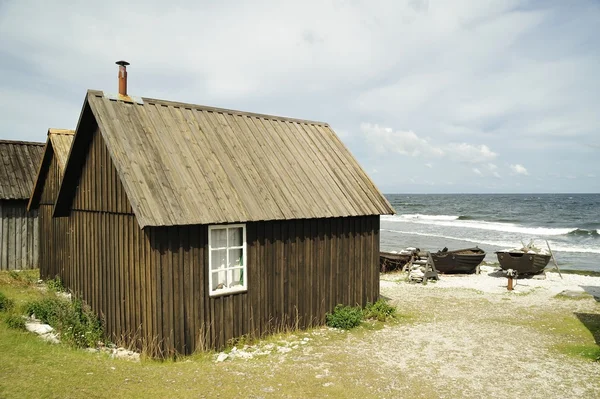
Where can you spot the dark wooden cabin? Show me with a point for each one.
(54, 232)
(19, 235)
(194, 225)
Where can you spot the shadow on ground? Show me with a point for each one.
(592, 322)
(593, 291)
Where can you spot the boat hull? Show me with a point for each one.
(523, 263)
(389, 261)
(459, 261)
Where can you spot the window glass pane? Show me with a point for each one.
(218, 259)
(235, 257)
(235, 237)
(218, 238)
(238, 277)
(218, 280)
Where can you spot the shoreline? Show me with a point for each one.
(492, 280)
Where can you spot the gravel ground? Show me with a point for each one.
(479, 340)
(464, 337)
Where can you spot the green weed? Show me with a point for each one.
(5, 303)
(380, 311)
(55, 285)
(75, 321)
(344, 317)
(15, 321)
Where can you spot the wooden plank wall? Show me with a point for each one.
(19, 236)
(298, 271)
(54, 251)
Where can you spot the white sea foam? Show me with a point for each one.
(418, 216)
(451, 221)
(556, 247)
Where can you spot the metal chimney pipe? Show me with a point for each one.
(122, 77)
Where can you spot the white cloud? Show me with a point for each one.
(477, 172)
(385, 139)
(470, 153)
(429, 165)
(519, 169)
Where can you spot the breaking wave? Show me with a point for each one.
(465, 222)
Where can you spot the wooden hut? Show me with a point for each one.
(53, 249)
(194, 225)
(19, 236)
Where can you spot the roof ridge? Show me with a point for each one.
(177, 104)
(21, 142)
(66, 132)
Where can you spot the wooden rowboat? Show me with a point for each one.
(523, 262)
(459, 261)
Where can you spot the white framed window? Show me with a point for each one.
(227, 259)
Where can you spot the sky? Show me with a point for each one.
(430, 96)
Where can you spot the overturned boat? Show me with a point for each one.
(459, 261)
(525, 260)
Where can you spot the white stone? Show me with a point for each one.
(38, 328)
(50, 337)
(222, 357)
(283, 349)
(245, 355)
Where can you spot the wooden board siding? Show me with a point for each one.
(294, 278)
(19, 236)
(152, 286)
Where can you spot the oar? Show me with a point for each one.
(554, 259)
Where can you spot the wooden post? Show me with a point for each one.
(554, 259)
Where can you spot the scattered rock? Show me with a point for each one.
(38, 327)
(126, 354)
(222, 357)
(284, 349)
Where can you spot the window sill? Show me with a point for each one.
(228, 291)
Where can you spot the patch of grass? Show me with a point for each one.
(579, 297)
(75, 321)
(574, 335)
(19, 277)
(591, 273)
(15, 321)
(587, 351)
(345, 317)
(5, 302)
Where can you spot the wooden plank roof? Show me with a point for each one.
(61, 145)
(58, 144)
(19, 161)
(189, 164)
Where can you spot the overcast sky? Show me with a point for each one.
(430, 96)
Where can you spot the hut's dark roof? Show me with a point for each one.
(186, 164)
(58, 144)
(19, 161)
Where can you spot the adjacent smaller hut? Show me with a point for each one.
(53, 251)
(19, 234)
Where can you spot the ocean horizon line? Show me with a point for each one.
(547, 193)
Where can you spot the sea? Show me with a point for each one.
(568, 223)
